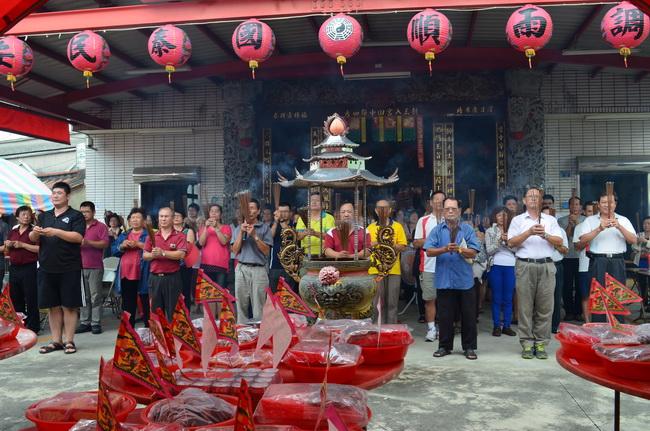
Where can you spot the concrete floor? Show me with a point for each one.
(498, 392)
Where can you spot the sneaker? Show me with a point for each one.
(508, 331)
(83, 328)
(527, 353)
(540, 351)
(432, 334)
(496, 332)
(96, 329)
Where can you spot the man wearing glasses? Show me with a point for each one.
(455, 245)
(534, 235)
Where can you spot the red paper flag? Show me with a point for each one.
(601, 302)
(291, 301)
(244, 415)
(106, 420)
(619, 291)
(266, 325)
(131, 361)
(210, 336)
(182, 327)
(207, 290)
(275, 325)
(228, 325)
(159, 339)
(7, 310)
(165, 373)
(161, 319)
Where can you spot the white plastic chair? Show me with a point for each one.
(110, 273)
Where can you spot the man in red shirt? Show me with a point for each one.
(165, 284)
(23, 255)
(92, 273)
(338, 247)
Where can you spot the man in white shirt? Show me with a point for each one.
(558, 256)
(583, 261)
(534, 235)
(607, 235)
(428, 263)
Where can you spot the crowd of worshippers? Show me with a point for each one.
(536, 268)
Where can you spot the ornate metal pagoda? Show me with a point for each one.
(336, 166)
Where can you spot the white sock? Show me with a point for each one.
(431, 324)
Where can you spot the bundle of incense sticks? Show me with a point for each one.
(472, 197)
(609, 188)
(383, 213)
(344, 228)
(275, 191)
(151, 233)
(302, 213)
(244, 198)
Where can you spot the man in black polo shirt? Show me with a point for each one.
(281, 221)
(59, 233)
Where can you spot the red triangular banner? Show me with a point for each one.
(618, 290)
(159, 316)
(131, 360)
(228, 325)
(244, 415)
(182, 327)
(7, 310)
(291, 301)
(602, 302)
(207, 290)
(106, 420)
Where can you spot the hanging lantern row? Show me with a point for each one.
(429, 32)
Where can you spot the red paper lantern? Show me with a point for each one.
(88, 52)
(529, 29)
(340, 37)
(254, 42)
(429, 33)
(16, 58)
(169, 46)
(625, 27)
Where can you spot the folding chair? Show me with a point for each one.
(110, 273)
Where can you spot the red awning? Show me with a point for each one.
(34, 125)
(12, 11)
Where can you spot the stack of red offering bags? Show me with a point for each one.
(191, 408)
(260, 359)
(299, 404)
(381, 345)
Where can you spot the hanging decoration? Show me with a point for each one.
(340, 37)
(429, 32)
(169, 46)
(529, 29)
(254, 42)
(89, 53)
(625, 27)
(16, 58)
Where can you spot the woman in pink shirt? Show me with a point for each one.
(214, 237)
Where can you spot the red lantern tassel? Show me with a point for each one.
(530, 53)
(11, 78)
(88, 74)
(170, 69)
(625, 52)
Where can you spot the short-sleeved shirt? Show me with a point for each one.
(56, 255)
(557, 256)
(399, 239)
(21, 256)
(422, 230)
(452, 270)
(91, 257)
(249, 252)
(277, 245)
(214, 253)
(535, 246)
(130, 260)
(175, 241)
(333, 240)
(564, 223)
(583, 260)
(610, 240)
(312, 243)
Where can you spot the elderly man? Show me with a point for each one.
(423, 228)
(607, 234)
(342, 245)
(454, 244)
(59, 234)
(165, 251)
(251, 274)
(535, 235)
(388, 287)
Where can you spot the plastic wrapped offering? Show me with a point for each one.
(313, 353)
(191, 408)
(376, 336)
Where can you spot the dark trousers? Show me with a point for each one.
(274, 277)
(24, 293)
(615, 267)
(571, 297)
(164, 292)
(130, 301)
(557, 297)
(448, 301)
(188, 287)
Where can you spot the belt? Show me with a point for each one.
(251, 264)
(542, 260)
(163, 274)
(609, 255)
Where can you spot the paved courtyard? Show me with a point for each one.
(498, 392)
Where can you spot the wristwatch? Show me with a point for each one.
(545, 235)
(163, 254)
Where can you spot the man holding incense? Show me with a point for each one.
(347, 237)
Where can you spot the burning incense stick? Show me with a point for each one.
(472, 197)
(383, 213)
(344, 233)
(275, 191)
(302, 213)
(609, 188)
(151, 233)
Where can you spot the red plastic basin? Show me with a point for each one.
(342, 374)
(577, 350)
(384, 355)
(229, 399)
(631, 370)
(62, 419)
